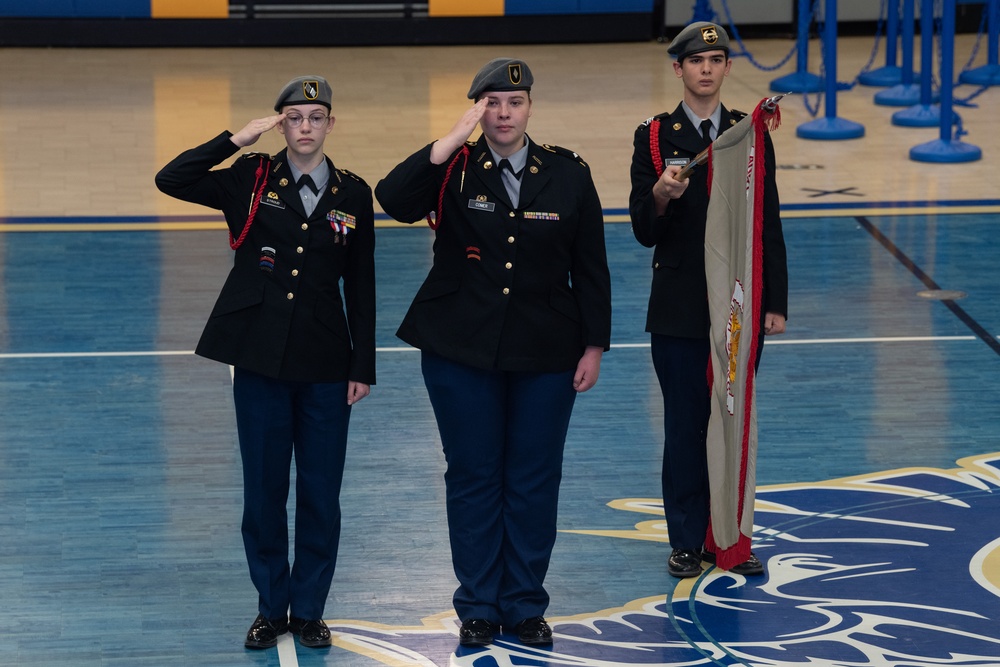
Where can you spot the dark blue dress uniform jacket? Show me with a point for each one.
(678, 300)
(286, 321)
(512, 289)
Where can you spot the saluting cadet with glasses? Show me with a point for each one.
(303, 348)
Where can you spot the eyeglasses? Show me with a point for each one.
(316, 120)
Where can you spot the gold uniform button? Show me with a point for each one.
(509, 265)
(295, 272)
(510, 239)
(511, 214)
(299, 250)
(506, 290)
(305, 226)
(289, 296)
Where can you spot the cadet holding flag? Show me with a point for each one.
(670, 215)
(511, 322)
(303, 353)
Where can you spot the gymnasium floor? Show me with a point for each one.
(120, 492)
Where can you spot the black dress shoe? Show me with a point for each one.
(264, 632)
(751, 567)
(477, 632)
(684, 563)
(533, 631)
(312, 633)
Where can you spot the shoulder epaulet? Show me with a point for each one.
(661, 116)
(349, 174)
(471, 144)
(736, 113)
(565, 152)
(254, 156)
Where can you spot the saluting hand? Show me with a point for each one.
(252, 131)
(458, 135)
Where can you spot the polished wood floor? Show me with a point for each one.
(120, 495)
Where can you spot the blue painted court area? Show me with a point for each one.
(878, 469)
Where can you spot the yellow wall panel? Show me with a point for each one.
(465, 7)
(190, 9)
(187, 110)
(448, 92)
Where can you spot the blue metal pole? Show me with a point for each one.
(947, 67)
(892, 33)
(944, 149)
(703, 11)
(801, 81)
(924, 114)
(830, 57)
(891, 74)
(988, 74)
(830, 127)
(906, 93)
(993, 18)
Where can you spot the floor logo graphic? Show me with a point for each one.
(898, 569)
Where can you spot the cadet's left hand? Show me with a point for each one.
(588, 369)
(774, 324)
(356, 391)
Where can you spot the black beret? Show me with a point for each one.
(305, 90)
(501, 74)
(698, 37)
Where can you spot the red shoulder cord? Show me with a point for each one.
(436, 222)
(654, 146)
(254, 203)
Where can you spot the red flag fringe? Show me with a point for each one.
(740, 551)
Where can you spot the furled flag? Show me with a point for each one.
(733, 268)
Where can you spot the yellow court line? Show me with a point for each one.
(208, 225)
(882, 212)
(113, 227)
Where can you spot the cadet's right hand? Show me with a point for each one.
(668, 185)
(667, 188)
(463, 129)
(252, 131)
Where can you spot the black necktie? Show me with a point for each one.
(505, 164)
(706, 131)
(305, 179)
